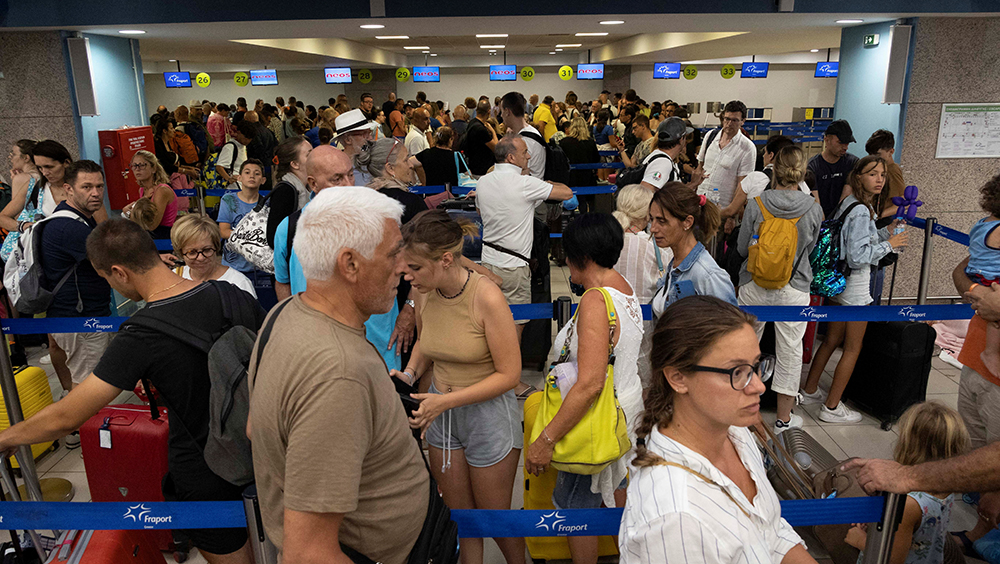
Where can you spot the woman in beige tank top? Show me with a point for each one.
(470, 417)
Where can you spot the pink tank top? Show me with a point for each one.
(169, 214)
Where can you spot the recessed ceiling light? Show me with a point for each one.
(392, 37)
(558, 49)
(416, 47)
(171, 60)
(483, 35)
(612, 22)
(592, 34)
(426, 52)
(131, 31)
(372, 26)
(552, 52)
(814, 50)
(434, 54)
(492, 51)
(569, 45)
(850, 21)
(492, 46)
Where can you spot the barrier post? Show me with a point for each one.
(563, 308)
(925, 261)
(878, 548)
(264, 552)
(201, 198)
(12, 402)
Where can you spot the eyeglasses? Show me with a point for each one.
(391, 149)
(740, 376)
(138, 166)
(732, 120)
(207, 252)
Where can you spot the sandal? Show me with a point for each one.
(968, 548)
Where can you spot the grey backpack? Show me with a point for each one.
(24, 276)
(227, 449)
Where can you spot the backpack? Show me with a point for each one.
(214, 180)
(635, 174)
(183, 146)
(771, 261)
(227, 448)
(829, 271)
(556, 161)
(23, 275)
(201, 139)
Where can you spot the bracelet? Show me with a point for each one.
(547, 438)
(973, 287)
(410, 374)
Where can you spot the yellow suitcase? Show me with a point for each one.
(538, 495)
(35, 393)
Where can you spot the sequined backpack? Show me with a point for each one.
(829, 270)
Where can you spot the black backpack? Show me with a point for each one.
(635, 174)
(556, 161)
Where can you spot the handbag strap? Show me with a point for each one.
(704, 478)
(612, 321)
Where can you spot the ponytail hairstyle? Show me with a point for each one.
(789, 166)
(432, 233)
(864, 166)
(603, 117)
(288, 151)
(632, 203)
(443, 137)
(681, 201)
(50, 149)
(684, 334)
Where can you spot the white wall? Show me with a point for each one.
(785, 87)
(458, 83)
(305, 85)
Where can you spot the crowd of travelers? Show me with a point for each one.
(379, 339)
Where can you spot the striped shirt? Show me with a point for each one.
(673, 516)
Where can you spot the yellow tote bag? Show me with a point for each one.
(601, 437)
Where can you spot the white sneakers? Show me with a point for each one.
(842, 414)
(819, 396)
(794, 422)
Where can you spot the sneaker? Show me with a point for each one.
(842, 414)
(47, 359)
(72, 440)
(819, 396)
(794, 422)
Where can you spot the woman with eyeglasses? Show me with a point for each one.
(197, 239)
(155, 185)
(699, 490)
(388, 162)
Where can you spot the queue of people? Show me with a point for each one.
(376, 296)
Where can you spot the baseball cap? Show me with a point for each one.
(842, 130)
(671, 130)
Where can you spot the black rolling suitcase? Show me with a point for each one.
(893, 367)
(537, 337)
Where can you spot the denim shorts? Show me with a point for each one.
(487, 431)
(572, 491)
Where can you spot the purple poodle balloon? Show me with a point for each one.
(908, 204)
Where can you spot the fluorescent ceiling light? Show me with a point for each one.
(492, 51)
(434, 54)
(372, 26)
(592, 34)
(612, 22)
(492, 46)
(570, 45)
(849, 21)
(482, 35)
(416, 47)
(558, 49)
(426, 52)
(171, 60)
(131, 31)
(814, 50)
(552, 52)
(392, 37)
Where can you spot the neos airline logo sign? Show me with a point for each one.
(584, 72)
(337, 75)
(426, 74)
(503, 72)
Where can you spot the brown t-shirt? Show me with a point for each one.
(330, 436)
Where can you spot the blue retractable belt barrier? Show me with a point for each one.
(28, 325)
(31, 515)
(942, 231)
(163, 244)
(595, 166)
(608, 153)
(193, 193)
(456, 190)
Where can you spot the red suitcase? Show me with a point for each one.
(132, 469)
(111, 547)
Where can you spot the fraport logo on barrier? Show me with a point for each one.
(811, 314)
(909, 313)
(555, 522)
(97, 326)
(141, 514)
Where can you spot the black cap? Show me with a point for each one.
(672, 129)
(842, 130)
(414, 104)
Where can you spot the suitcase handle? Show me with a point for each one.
(154, 409)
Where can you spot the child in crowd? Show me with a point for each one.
(143, 212)
(927, 431)
(984, 262)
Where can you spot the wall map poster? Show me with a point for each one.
(969, 131)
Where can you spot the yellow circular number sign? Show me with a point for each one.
(565, 72)
(728, 72)
(241, 79)
(364, 76)
(690, 72)
(203, 79)
(402, 74)
(527, 73)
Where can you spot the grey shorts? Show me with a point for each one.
(572, 491)
(487, 431)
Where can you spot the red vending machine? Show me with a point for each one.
(118, 146)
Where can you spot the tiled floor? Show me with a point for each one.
(843, 441)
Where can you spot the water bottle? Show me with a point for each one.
(715, 197)
(899, 229)
(753, 240)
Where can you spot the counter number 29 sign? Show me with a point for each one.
(402, 74)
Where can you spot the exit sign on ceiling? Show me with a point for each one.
(871, 40)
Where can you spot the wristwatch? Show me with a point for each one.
(410, 303)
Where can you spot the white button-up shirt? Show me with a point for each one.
(724, 166)
(673, 516)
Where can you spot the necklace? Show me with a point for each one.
(468, 276)
(163, 290)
